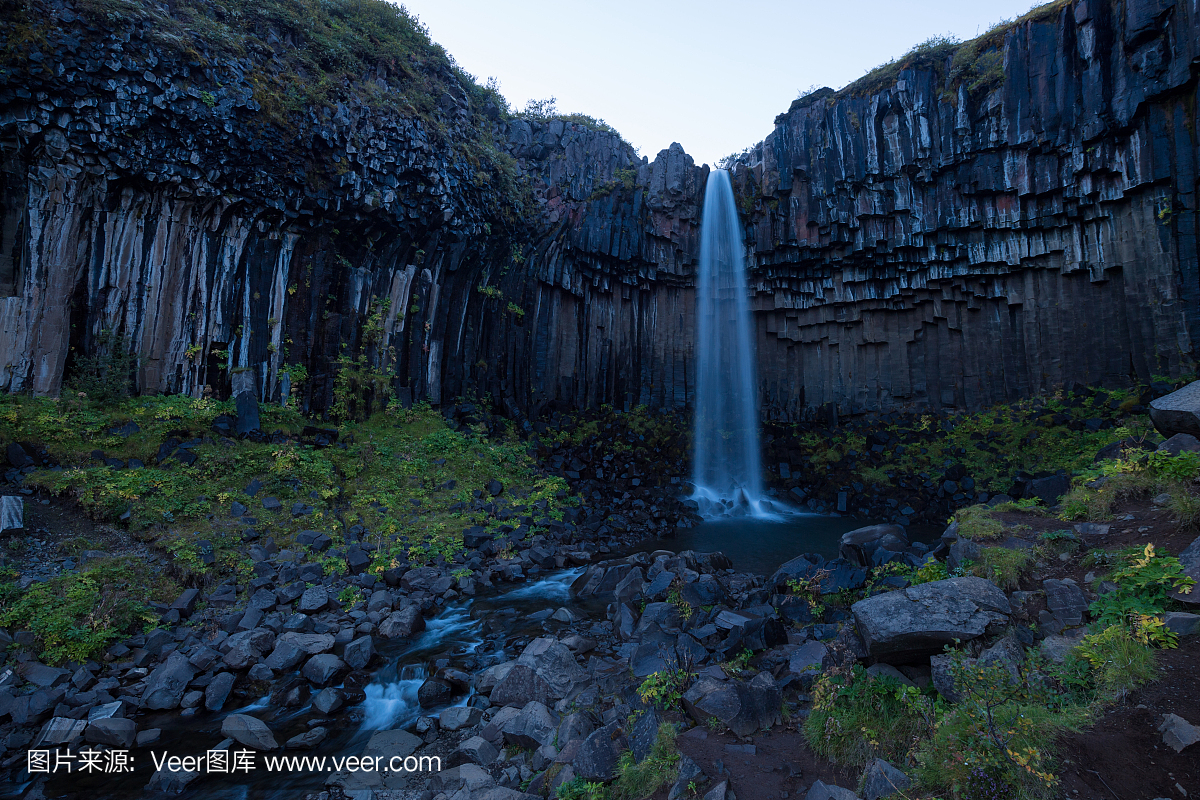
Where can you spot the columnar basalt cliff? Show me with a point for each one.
(950, 236)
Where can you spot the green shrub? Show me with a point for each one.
(1117, 659)
(857, 717)
(75, 616)
(106, 373)
(1000, 733)
(664, 688)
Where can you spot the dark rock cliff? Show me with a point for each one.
(928, 241)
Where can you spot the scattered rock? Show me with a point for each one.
(1178, 733)
(881, 779)
(249, 731)
(823, 791)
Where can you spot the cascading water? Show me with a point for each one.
(728, 464)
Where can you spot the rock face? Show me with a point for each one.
(919, 621)
(897, 234)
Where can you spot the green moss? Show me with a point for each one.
(1003, 566)
(978, 524)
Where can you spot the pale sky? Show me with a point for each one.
(709, 75)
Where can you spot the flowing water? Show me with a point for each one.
(728, 465)
(470, 627)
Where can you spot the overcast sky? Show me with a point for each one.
(709, 75)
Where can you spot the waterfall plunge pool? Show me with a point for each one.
(761, 545)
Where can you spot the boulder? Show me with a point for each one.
(218, 690)
(434, 692)
(859, 546)
(596, 758)
(113, 731)
(1065, 601)
(314, 599)
(322, 669)
(834, 575)
(520, 685)
(402, 624)
(806, 662)
(533, 727)
(247, 412)
(824, 791)
(554, 663)
(250, 731)
(307, 740)
(609, 583)
(61, 731)
(880, 779)
(1177, 412)
(1179, 443)
(168, 682)
(396, 743)
(475, 750)
(285, 656)
(1190, 559)
(309, 643)
(1181, 623)
(741, 707)
(458, 717)
(246, 647)
(1178, 733)
(358, 653)
(463, 780)
(327, 701)
(908, 624)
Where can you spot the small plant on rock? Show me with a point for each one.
(664, 688)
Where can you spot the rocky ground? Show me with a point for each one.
(660, 673)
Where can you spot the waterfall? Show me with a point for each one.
(728, 463)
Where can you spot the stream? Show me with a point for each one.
(472, 630)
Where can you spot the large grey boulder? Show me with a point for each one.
(321, 669)
(533, 727)
(402, 624)
(908, 624)
(1177, 412)
(555, 664)
(1065, 601)
(610, 583)
(1190, 559)
(475, 750)
(218, 690)
(308, 643)
(250, 731)
(596, 759)
(741, 707)
(881, 779)
(168, 682)
(112, 731)
(859, 546)
(245, 648)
